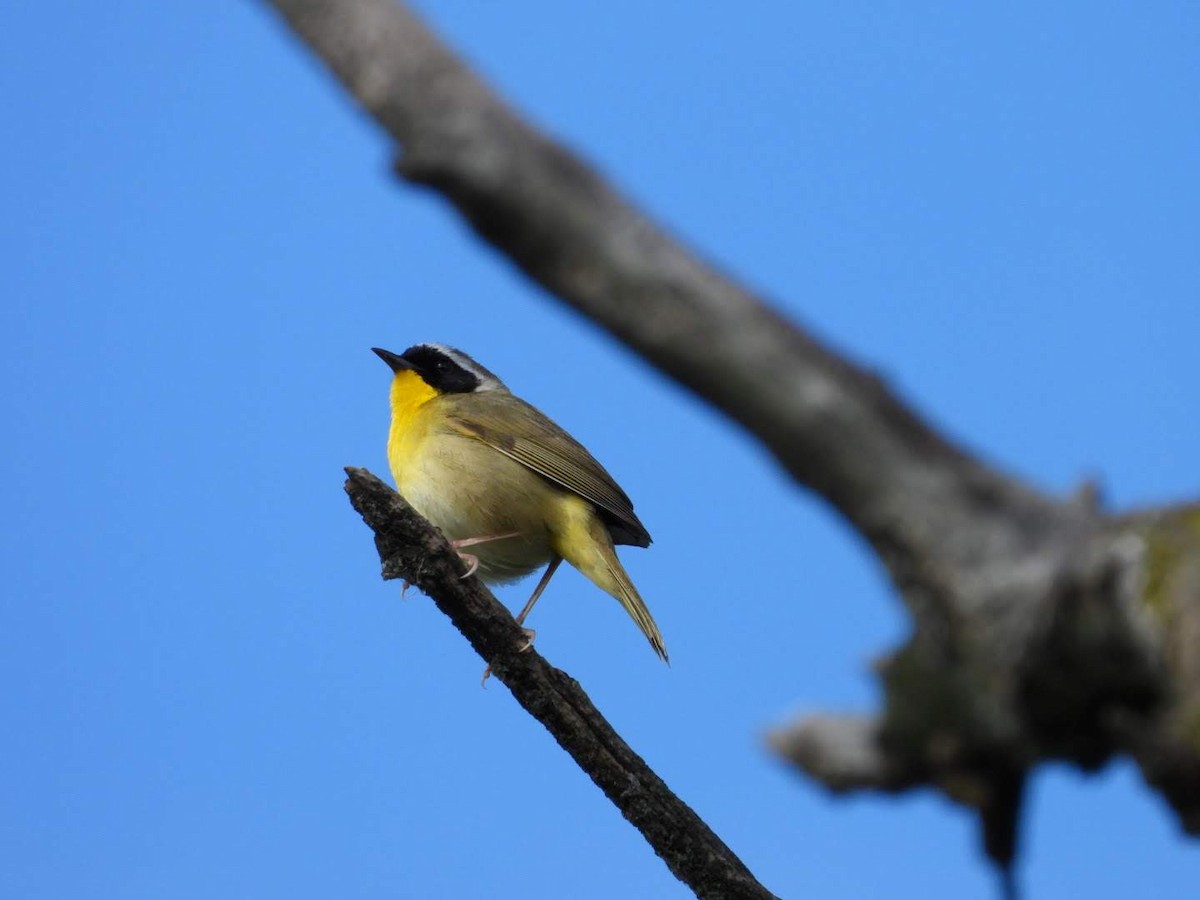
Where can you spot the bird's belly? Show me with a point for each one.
(468, 490)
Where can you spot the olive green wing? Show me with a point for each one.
(511, 426)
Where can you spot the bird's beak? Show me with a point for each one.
(395, 363)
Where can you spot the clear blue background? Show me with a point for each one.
(209, 693)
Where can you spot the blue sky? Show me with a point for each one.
(210, 693)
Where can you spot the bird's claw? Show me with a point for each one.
(530, 634)
(472, 562)
(471, 559)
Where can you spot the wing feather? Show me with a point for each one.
(533, 440)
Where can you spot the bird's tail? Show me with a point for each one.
(629, 598)
(596, 558)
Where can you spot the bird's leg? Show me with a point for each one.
(471, 559)
(537, 592)
(530, 634)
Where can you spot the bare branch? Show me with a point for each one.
(410, 548)
(840, 751)
(1104, 660)
(1042, 629)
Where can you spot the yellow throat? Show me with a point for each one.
(409, 393)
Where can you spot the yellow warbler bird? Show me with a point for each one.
(496, 475)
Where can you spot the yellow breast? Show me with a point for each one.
(463, 486)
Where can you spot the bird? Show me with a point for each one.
(498, 476)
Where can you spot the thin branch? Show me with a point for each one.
(410, 548)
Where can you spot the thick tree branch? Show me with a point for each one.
(1042, 628)
(836, 428)
(410, 548)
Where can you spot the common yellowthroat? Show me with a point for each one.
(496, 475)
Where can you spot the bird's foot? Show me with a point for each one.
(471, 559)
(530, 634)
